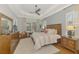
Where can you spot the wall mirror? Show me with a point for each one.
(6, 24)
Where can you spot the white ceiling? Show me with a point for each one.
(24, 10)
(31, 7)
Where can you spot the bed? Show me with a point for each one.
(27, 45)
(40, 44)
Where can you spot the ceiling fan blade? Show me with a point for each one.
(38, 13)
(38, 10)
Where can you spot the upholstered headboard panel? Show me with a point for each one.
(55, 26)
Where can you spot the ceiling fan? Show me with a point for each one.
(37, 10)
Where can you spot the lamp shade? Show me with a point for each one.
(70, 27)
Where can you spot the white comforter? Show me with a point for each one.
(26, 46)
(42, 39)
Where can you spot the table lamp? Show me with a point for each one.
(70, 30)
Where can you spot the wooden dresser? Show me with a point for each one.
(5, 44)
(70, 43)
(8, 43)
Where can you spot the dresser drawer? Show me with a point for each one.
(64, 42)
(71, 44)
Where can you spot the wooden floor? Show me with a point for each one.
(63, 50)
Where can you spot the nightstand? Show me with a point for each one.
(70, 43)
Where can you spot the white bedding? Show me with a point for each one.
(26, 46)
(41, 39)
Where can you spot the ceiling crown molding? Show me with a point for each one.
(55, 9)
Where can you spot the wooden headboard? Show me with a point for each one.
(55, 26)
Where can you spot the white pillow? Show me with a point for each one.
(52, 31)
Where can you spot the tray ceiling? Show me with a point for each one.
(25, 10)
